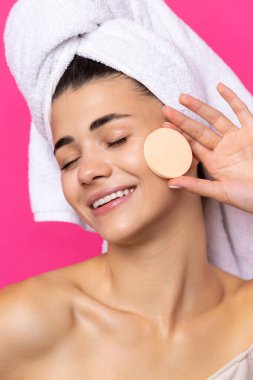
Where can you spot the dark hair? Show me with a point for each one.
(83, 70)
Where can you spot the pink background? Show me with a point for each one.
(28, 248)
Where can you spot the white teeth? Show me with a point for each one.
(112, 196)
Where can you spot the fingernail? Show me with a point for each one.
(175, 187)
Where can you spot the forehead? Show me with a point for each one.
(94, 99)
(98, 92)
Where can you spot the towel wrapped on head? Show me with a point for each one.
(146, 41)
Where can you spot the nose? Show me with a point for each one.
(92, 169)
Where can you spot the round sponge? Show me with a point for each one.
(167, 153)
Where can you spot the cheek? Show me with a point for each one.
(132, 156)
(133, 160)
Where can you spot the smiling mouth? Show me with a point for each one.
(131, 190)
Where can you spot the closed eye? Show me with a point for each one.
(68, 164)
(114, 143)
(118, 142)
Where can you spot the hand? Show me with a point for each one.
(227, 155)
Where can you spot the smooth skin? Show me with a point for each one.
(152, 307)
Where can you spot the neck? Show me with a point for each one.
(165, 277)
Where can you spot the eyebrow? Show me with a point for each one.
(65, 140)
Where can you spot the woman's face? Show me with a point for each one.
(98, 165)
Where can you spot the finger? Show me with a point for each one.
(202, 187)
(214, 117)
(238, 106)
(167, 124)
(201, 153)
(198, 131)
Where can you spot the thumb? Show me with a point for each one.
(199, 186)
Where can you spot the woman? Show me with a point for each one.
(151, 307)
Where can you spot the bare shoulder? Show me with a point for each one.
(240, 295)
(29, 320)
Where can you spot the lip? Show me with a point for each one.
(114, 204)
(102, 193)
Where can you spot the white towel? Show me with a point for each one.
(145, 40)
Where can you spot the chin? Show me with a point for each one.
(117, 233)
(125, 235)
(116, 236)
